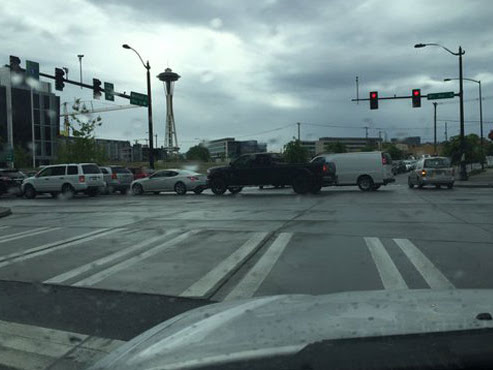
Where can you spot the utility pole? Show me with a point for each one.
(435, 128)
(481, 122)
(446, 137)
(357, 90)
(380, 140)
(80, 56)
(463, 171)
(299, 130)
(366, 134)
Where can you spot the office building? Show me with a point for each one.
(29, 117)
(310, 146)
(228, 148)
(116, 150)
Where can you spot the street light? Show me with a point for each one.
(480, 108)
(460, 53)
(147, 66)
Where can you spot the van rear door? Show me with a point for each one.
(387, 166)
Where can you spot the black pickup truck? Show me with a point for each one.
(269, 169)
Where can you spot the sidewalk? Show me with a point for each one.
(482, 180)
(4, 211)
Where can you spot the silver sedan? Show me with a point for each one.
(176, 180)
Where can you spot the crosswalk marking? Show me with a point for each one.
(47, 248)
(99, 276)
(22, 234)
(389, 274)
(107, 259)
(434, 278)
(29, 347)
(213, 279)
(254, 278)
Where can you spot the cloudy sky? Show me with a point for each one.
(252, 69)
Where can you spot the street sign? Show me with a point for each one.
(32, 69)
(441, 95)
(138, 99)
(109, 88)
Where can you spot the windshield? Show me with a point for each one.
(437, 163)
(183, 154)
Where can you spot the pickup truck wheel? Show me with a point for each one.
(365, 183)
(29, 192)
(235, 189)
(301, 184)
(316, 188)
(218, 186)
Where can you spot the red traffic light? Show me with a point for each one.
(416, 95)
(373, 100)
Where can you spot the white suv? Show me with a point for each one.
(67, 179)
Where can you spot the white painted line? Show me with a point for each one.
(433, 276)
(45, 249)
(102, 261)
(99, 276)
(3, 227)
(32, 347)
(250, 283)
(214, 278)
(31, 234)
(389, 274)
(21, 234)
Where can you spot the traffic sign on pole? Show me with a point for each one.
(32, 69)
(441, 95)
(139, 99)
(109, 88)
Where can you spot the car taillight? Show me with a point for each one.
(113, 176)
(193, 178)
(82, 179)
(423, 173)
(325, 168)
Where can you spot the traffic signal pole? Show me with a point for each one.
(435, 128)
(463, 171)
(149, 114)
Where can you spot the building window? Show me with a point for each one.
(47, 130)
(37, 119)
(35, 101)
(47, 115)
(48, 148)
(38, 147)
(37, 132)
(46, 101)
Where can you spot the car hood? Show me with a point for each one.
(277, 325)
(217, 168)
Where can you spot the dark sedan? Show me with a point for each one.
(11, 181)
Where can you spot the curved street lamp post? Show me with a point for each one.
(147, 66)
(460, 53)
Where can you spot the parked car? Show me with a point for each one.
(117, 178)
(262, 169)
(67, 179)
(398, 167)
(11, 181)
(368, 170)
(177, 180)
(436, 171)
(140, 172)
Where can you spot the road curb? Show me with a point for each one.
(5, 212)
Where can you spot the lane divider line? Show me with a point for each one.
(55, 246)
(216, 277)
(433, 276)
(101, 275)
(105, 260)
(389, 274)
(21, 234)
(31, 234)
(250, 283)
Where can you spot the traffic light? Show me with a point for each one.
(109, 90)
(96, 88)
(416, 98)
(373, 100)
(15, 63)
(59, 73)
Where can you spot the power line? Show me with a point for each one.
(268, 131)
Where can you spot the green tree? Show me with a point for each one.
(294, 152)
(473, 150)
(198, 153)
(82, 146)
(336, 147)
(394, 151)
(369, 148)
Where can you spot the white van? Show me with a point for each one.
(368, 170)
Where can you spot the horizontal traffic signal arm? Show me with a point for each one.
(393, 97)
